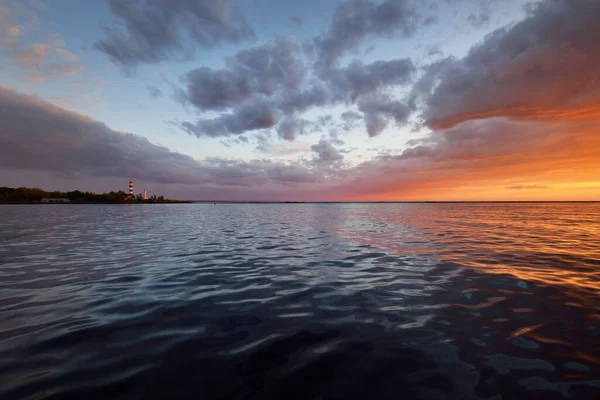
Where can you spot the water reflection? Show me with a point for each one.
(254, 301)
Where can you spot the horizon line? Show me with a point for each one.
(386, 201)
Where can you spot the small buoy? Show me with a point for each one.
(214, 203)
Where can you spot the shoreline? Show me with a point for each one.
(97, 202)
(300, 202)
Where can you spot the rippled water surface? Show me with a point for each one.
(300, 301)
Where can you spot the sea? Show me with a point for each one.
(300, 301)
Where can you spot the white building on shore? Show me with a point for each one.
(55, 200)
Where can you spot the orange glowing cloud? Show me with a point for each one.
(544, 68)
(518, 118)
(493, 159)
(583, 114)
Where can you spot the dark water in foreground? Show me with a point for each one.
(353, 301)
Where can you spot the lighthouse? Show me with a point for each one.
(131, 188)
(145, 198)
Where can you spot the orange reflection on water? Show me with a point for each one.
(548, 244)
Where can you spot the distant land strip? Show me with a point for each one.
(24, 195)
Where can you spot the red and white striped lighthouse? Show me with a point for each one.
(131, 188)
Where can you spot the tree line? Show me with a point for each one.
(23, 194)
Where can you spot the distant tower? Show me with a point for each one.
(131, 188)
(145, 194)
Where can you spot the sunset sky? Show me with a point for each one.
(329, 100)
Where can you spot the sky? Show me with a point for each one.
(329, 100)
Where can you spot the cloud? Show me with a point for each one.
(434, 50)
(275, 79)
(157, 30)
(260, 70)
(316, 94)
(473, 160)
(154, 91)
(9, 31)
(357, 79)
(477, 20)
(32, 57)
(67, 56)
(64, 146)
(60, 69)
(290, 127)
(230, 142)
(519, 187)
(263, 143)
(249, 117)
(58, 43)
(260, 109)
(326, 153)
(521, 106)
(350, 120)
(378, 111)
(542, 68)
(36, 134)
(39, 136)
(354, 21)
(13, 31)
(296, 20)
(38, 61)
(334, 137)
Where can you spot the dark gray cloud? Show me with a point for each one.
(154, 91)
(157, 30)
(334, 137)
(326, 153)
(349, 83)
(38, 136)
(380, 110)
(317, 94)
(477, 20)
(35, 134)
(260, 70)
(544, 67)
(248, 117)
(263, 143)
(430, 20)
(296, 20)
(275, 81)
(345, 85)
(350, 120)
(238, 140)
(434, 50)
(290, 127)
(323, 121)
(356, 20)
(227, 143)
(350, 116)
